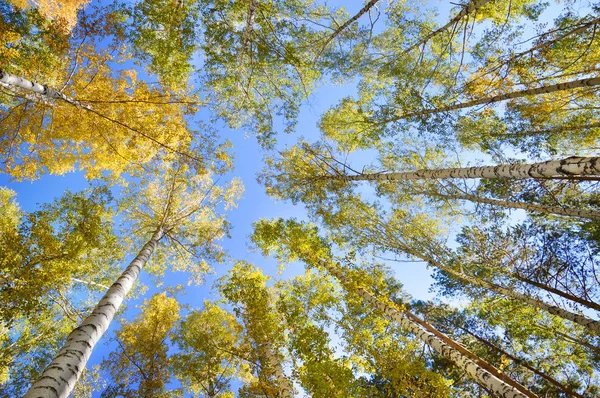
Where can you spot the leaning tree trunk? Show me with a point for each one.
(501, 97)
(561, 211)
(359, 14)
(582, 320)
(438, 341)
(573, 166)
(522, 362)
(46, 91)
(60, 376)
(586, 303)
(467, 9)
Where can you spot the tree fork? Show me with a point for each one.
(60, 376)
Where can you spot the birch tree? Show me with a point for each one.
(139, 365)
(301, 242)
(245, 288)
(169, 203)
(470, 7)
(212, 352)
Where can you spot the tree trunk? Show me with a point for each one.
(60, 376)
(467, 9)
(558, 292)
(582, 320)
(359, 14)
(572, 166)
(561, 211)
(522, 362)
(285, 388)
(48, 92)
(502, 97)
(438, 341)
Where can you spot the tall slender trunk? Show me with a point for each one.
(568, 167)
(467, 9)
(558, 292)
(582, 320)
(60, 376)
(561, 211)
(436, 340)
(571, 339)
(501, 97)
(575, 31)
(285, 388)
(249, 21)
(349, 22)
(521, 362)
(48, 92)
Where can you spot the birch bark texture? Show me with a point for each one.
(60, 376)
(285, 388)
(475, 371)
(573, 166)
(10, 80)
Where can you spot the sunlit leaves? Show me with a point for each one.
(211, 354)
(139, 366)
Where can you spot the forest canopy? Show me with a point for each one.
(289, 198)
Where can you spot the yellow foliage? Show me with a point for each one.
(63, 11)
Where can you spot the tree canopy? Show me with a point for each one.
(421, 215)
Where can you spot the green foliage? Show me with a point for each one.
(44, 250)
(245, 288)
(139, 366)
(189, 207)
(211, 352)
(164, 33)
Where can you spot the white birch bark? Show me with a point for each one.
(60, 376)
(285, 388)
(467, 9)
(561, 211)
(475, 371)
(503, 97)
(568, 167)
(43, 90)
